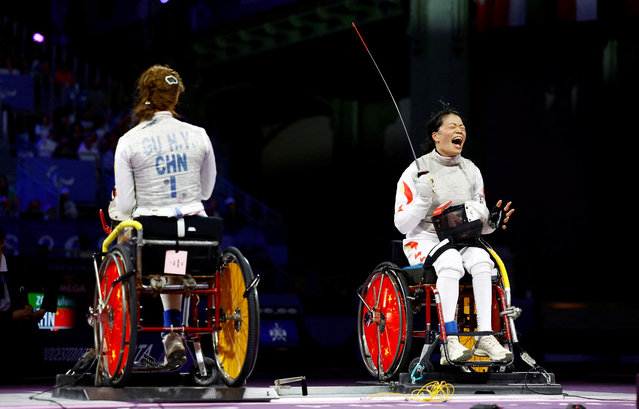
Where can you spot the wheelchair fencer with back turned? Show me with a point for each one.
(392, 296)
(150, 256)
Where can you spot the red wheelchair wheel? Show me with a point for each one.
(385, 322)
(115, 322)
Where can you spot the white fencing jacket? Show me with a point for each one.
(455, 179)
(164, 167)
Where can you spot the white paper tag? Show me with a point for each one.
(175, 262)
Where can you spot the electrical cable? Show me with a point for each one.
(432, 391)
(85, 363)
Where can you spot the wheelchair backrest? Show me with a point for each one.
(187, 228)
(200, 236)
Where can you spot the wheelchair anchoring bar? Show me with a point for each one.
(279, 382)
(364, 302)
(359, 295)
(254, 283)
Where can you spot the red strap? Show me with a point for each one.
(441, 208)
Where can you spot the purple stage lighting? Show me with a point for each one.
(38, 38)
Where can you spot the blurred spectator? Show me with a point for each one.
(46, 145)
(36, 67)
(64, 85)
(50, 213)
(11, 60)
(85, 251)
(61, 121)
(68, 209)
(97, 97)
(44, 127)
(33, 210)
(65, 149)
(25, 144)
(77, 134)
(6, 209)
(87, 122)
(88, 149)
(103, 123)
(211, 208)
(233, 220)
(8, 192)
(63, 78)
(106, 147)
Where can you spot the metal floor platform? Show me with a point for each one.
(174, 388)
(157, 388)
(344, 392)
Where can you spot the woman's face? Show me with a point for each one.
(451, 136)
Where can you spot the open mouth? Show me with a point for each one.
(458, 141)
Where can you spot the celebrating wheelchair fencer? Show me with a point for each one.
(439, 180)
(163, 167)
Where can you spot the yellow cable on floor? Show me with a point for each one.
(435, 390)
(432, 391)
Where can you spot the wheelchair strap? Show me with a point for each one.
(427, 274)
(447, 244)
(181, 230)
(437, 251)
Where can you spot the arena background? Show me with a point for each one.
(309, 144)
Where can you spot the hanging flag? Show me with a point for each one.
(536, 12)
(576, 10)
(481, 10)
(492, 14)
(517, 13)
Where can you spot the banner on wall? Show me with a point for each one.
(44, 178)
(17, 91)
(62, 238)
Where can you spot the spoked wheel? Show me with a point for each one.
(385, 322)
(236, 342)
(115, 321)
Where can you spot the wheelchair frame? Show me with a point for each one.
(385, 322)
(231, 311)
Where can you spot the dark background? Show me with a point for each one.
(549, 107)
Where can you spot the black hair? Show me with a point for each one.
(435, 122)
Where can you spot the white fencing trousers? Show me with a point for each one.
(450, 266)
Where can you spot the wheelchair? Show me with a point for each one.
(391, 298)
(220, 313)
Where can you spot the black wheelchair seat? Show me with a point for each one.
(194, 227)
